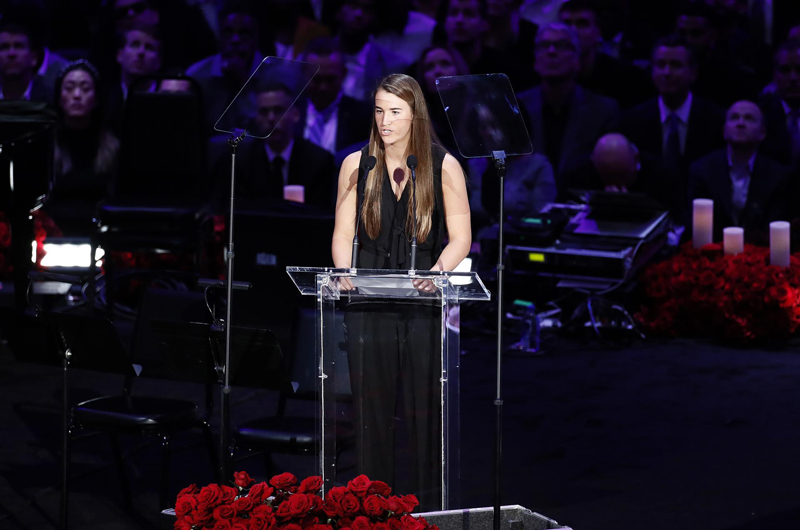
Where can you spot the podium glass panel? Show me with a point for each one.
(388, 359)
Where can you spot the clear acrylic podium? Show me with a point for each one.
(415, 439)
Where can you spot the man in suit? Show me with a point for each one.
(749, 189)
(601, 73)
(18, 64)
(676, 128)
(565, 120)
(782, 108)
(282, 158)
(329, 118)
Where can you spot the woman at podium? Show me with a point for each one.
(394, 347)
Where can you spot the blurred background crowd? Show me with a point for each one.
(673, 99)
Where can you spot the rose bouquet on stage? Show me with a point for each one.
(283, 504)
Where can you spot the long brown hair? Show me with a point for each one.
(420, 144)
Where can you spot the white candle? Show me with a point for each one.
(294, 193)
(779, 243)
(733, 240)
(702, 222)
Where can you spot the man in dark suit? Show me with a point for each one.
(749, 189)
(18, 60)
(565, 120)
(329, 118)
(677, 127)
(782, 108)
(601, 73)
(266, 166)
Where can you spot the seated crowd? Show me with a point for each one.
(678, 100)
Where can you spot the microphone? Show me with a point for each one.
(369, 165)
(411, 162)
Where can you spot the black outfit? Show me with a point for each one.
(767, 196)
(395, 345)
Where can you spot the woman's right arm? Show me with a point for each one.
(346, 208)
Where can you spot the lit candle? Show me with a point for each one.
(733, 240)
(702, 222)
(779, 243)
(294, 193)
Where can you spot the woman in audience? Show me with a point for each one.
(86, 151)
(435, 62)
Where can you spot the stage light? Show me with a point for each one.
(61, 253)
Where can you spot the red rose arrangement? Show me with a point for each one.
(701, 292)
(283, 504)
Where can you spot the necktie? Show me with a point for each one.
(672, 147)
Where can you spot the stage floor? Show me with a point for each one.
(656, 435)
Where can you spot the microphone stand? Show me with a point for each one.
(366, 168)
(412, 165)
(500, 164)
(225, 464)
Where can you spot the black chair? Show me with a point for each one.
(160, 417)
(160, 194)
(294, 428)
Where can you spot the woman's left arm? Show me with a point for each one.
(457, 217)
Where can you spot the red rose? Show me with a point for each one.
(394, 523)
(200, 518)
(180, 524)
(359, 485)
(361, 523)
(209, 497)
(308, 521)
(321, 527)
(410, 523)
(299, 504)
(330, 507)
(411, 502)
(349, 505)
(374, 506)
(310, 485)
(379, 526)
(223, 524)
(225, 511)
(241, 524)
(262, 523)
(379, 488)
(345, 521)
(259, 492)
(283, 511)
(185, 504)
(284, 481)
(228, 494)
(292, 526)
(242, 479)
(189, 490)
(243, 505)
(336, 493)
(396, 504)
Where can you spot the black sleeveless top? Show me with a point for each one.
(392, 248)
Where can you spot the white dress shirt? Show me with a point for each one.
(330, 118)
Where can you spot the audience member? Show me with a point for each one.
(529, 186)
(436, 62)
(18, 63)
(283, 158)
(616, 163)
(718, 78)
(221, 76)
(466, 27)
(403, 30)
(748, 188)
(565, 120)
(86, 151)
(601, 73)
(331, 119)
(782, 108)
(677, 127)
(365, 60)
(510, 35)
(138, 55)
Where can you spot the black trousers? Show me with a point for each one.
(391, 347)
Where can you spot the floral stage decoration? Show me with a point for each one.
(704, 293)
(283, 504)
